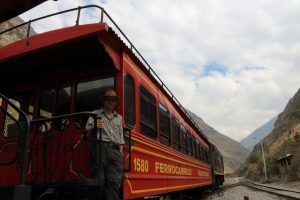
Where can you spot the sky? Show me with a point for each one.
(233, 63)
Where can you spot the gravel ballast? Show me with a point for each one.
(239, 192)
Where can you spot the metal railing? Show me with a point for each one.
(59, 141)
(23, 136)
(51, 152)
(103, 14)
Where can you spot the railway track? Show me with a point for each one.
(285, 193)
(221, 189)
(257, 191)
(229, 186)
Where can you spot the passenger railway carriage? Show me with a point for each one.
(51, 81)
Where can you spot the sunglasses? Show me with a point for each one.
(110, 99)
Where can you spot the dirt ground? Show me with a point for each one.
(293, 185)
(232, 180)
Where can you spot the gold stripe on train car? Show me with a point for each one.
(159, 148)
(164, 188)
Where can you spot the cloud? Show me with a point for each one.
(234, 63)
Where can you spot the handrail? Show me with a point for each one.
(28, 125)
(129, 149)
(92, 133)
(132, 48)
(19, 127)
(63, 116)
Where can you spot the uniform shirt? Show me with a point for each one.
(113, 130)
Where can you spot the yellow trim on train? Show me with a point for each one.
(159, 148)
(165, 157)
(163, 188)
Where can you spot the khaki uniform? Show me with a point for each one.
(112, 137)
(113, 129)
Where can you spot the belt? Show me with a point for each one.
(111, 145)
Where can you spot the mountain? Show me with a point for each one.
(15, 34)
(233, 152)
(283, 140)
(258, 134)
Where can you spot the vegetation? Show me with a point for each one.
(241, 170)
(283, 140)
(297, 138)
(253, 158)
(273, 169)
(292, 172)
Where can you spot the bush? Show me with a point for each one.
(241, 170)
(273, 169)
(252, 158)
(292, 172)
(297, 137)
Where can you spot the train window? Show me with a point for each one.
(183, 140)
(200, 151)
(129, 101)
(63, 100)
(193, 147)
(89, 93)
(206, 155)
(175, 134)
(197, 150)
(202, 154)
(46, 107)
(62, 106)
(164, 124)
(46, 103)
(189, 144)
(222, 163)
(148, 113)
(25, 101)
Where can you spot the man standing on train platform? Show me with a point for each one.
(110, 123)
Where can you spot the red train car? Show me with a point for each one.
(51, 80)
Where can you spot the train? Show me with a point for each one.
(50, 82)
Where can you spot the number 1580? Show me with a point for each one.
(141, 165)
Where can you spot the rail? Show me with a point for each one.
(24, 134)
(279, 192)
(220, 190)
(131, 46)
(285, 193)
(43, 120)
(127, 167)
(60, 142)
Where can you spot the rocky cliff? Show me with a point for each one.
(15, 34)
(233, 152)
(282, 141)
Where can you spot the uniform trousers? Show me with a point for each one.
(111, 172)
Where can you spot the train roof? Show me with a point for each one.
(32, 44)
